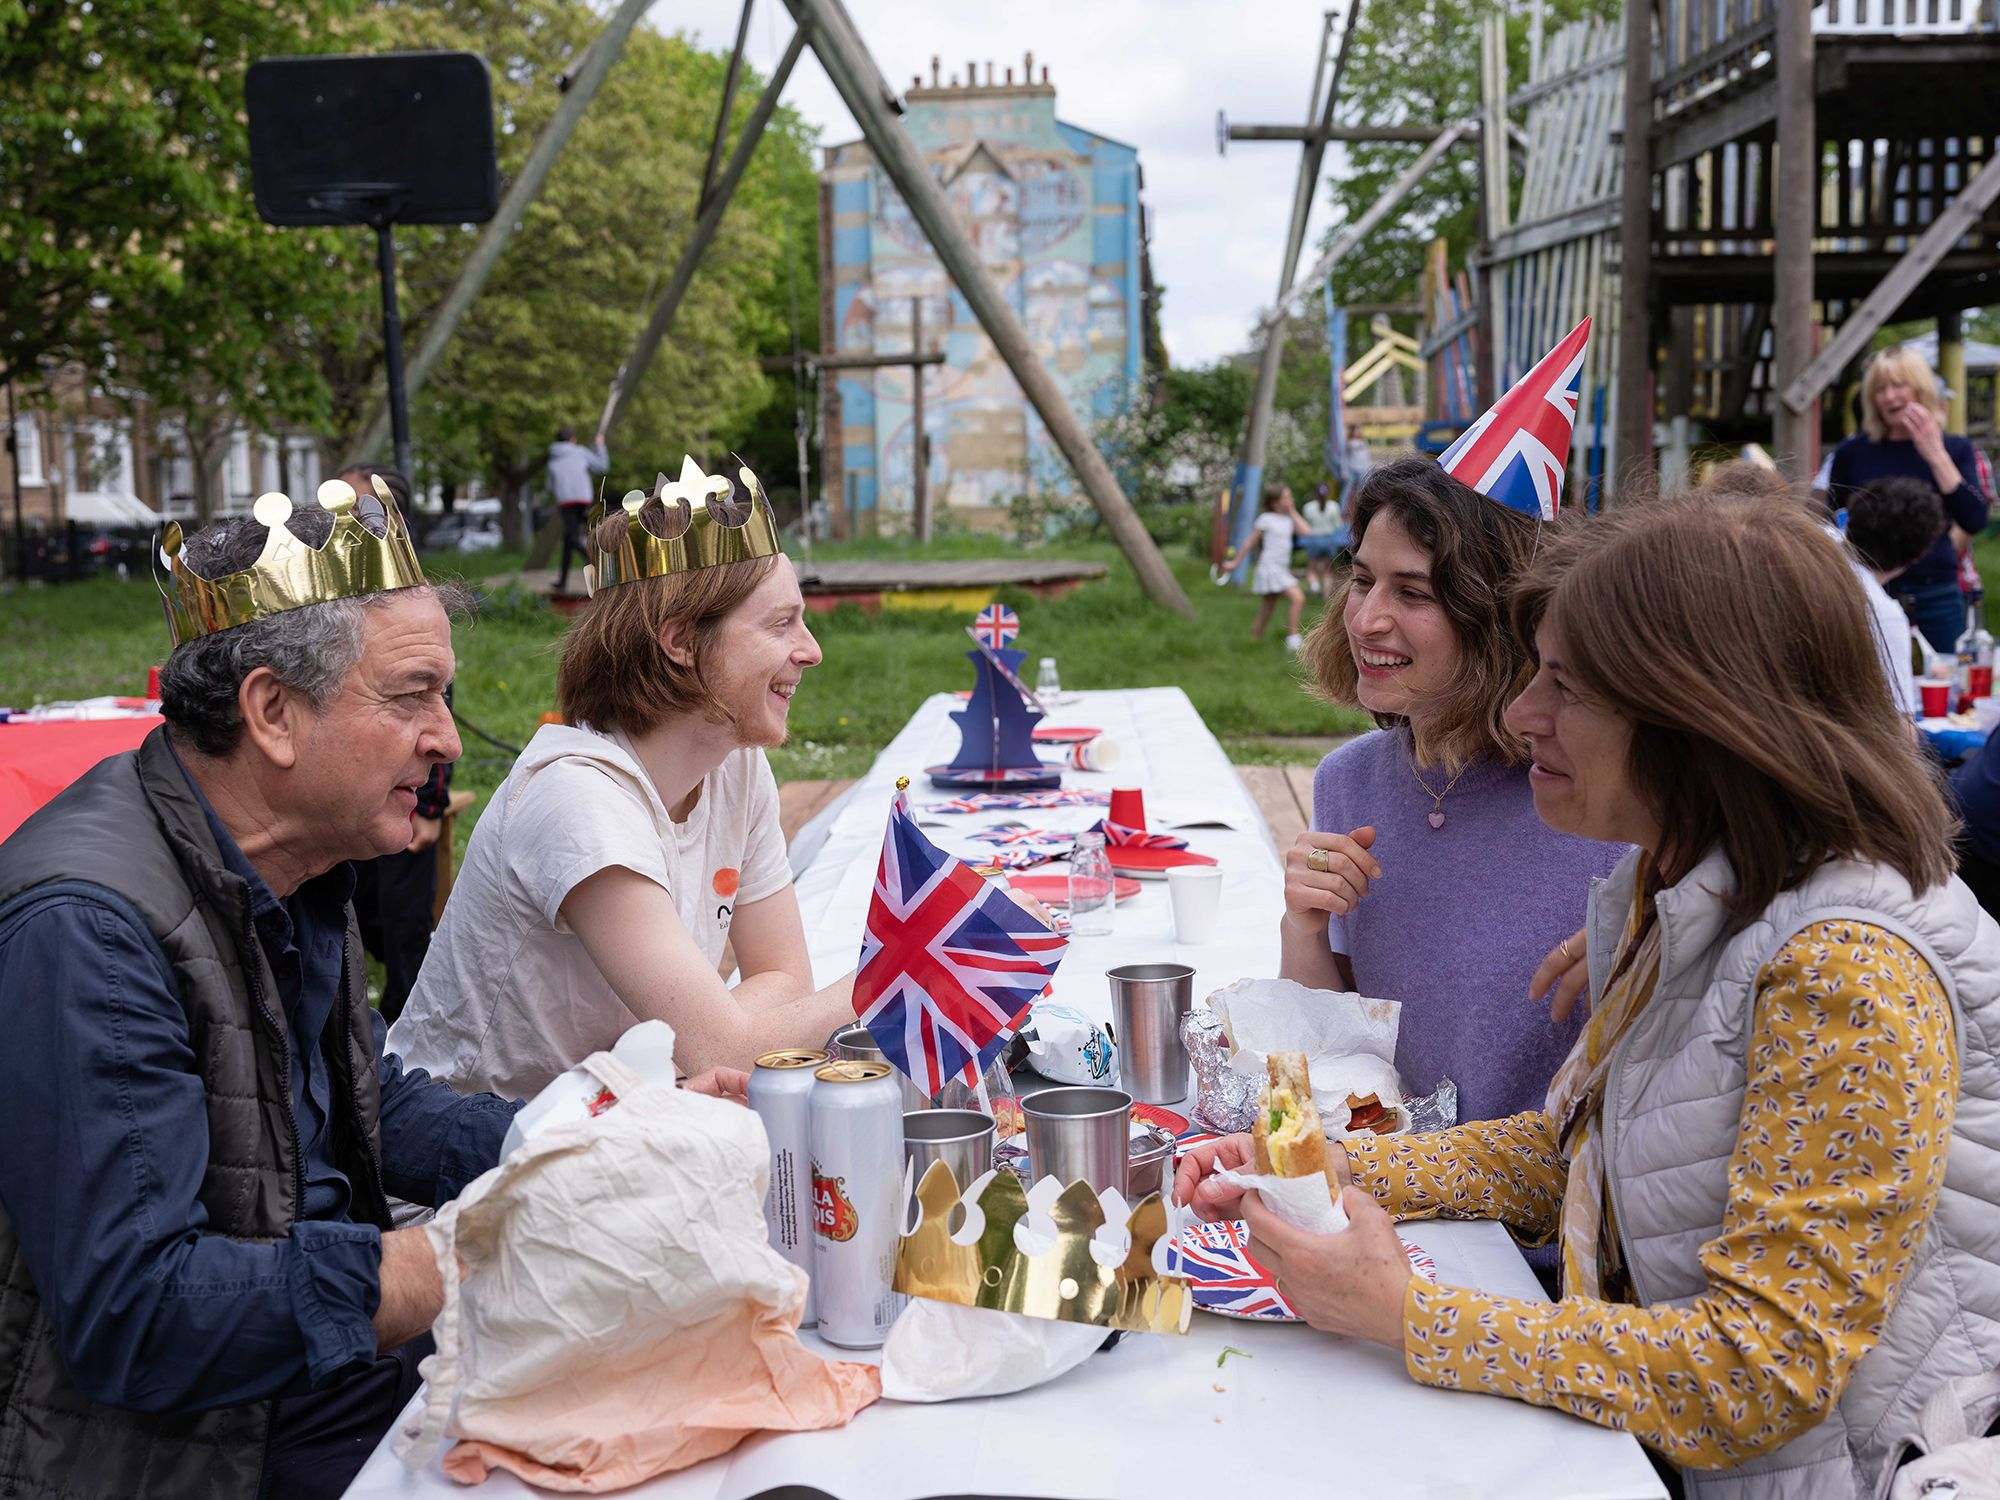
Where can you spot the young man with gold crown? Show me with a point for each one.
(634, 840)
(200, 1293)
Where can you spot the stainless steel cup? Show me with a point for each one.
(854, 1044)
(1148, 1004)
(960, 1138)
(1079, 1133)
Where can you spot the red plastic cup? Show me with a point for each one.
(153, 682)
(1980, 683)
(1937, 698)
(1128, 807)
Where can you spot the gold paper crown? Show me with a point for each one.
(368, 551)
(1067, 1283)
(697, 521)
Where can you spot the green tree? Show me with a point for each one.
(122, 129)
(1418, 63)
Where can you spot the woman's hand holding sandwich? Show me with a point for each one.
(1195, 1186)
(1349, 1283)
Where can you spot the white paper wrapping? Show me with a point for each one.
(1349, 1041)
(1302, 1202)
(940, 1351)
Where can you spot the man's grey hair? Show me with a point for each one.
(310, 650)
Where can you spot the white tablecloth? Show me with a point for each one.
(1156, 1417)
(1166, 750)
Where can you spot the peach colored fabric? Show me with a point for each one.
(623, 1313)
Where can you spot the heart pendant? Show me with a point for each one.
(1435, 817)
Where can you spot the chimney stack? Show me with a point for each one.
(1045, 73)
(1010, 78)
(971, 73)
(1028, 68)
(934, 70)
(989, 73)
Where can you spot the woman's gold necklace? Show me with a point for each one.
(1435, 817)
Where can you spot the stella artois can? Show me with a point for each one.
(781, 1088)
(857, 1183)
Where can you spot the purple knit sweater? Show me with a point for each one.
(1460, 918)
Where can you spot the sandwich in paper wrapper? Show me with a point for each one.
(1348, 1042)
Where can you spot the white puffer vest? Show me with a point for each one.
(1672, 1105)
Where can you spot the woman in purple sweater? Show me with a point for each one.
(1438, 886)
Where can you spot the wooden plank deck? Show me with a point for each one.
(1284, 795)
(896, 575)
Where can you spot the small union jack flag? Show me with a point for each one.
(996, 626)
(1516, 452)
(1137, 838)
(949, 965)
(1021, 836)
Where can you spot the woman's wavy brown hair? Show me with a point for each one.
(1476, 547)
(1731, 635)
(615, 674)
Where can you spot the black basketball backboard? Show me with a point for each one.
(403, 137)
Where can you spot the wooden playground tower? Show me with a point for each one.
(1753, 288)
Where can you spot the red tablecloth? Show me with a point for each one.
(39, 760)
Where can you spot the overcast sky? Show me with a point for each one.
(1151, 73)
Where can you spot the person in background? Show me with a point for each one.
(570, 467)
(1772, 1163)
(1426, 877)
(1902, 418)
(1326, 538)
(1890, 525)
(396, 894)
(1271, 579)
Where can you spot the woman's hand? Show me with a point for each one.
(1195, 1186)
(1922, 425)
(1328, 872)
(722, 1083)
(1350, 1283)
(1568, 969)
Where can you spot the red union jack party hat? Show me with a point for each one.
(1517, 451)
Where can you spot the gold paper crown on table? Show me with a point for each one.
(367, 551)
(1066, 1283)
(697, 521)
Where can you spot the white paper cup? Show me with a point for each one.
(1196, 894)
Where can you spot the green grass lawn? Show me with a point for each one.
(81, 640)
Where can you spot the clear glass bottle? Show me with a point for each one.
(1972, 677)
(1092, 892)
(1048, 683)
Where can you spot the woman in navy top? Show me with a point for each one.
(1902, 419)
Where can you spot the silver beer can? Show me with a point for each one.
(857, 1185)
(781, 1088)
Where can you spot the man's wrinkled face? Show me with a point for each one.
(364, 759)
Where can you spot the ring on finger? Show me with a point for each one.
(1563, 949)
(1319, 860)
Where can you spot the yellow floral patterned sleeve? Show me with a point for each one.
(1853, 1083)
(1510, 1170)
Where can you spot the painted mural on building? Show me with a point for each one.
(1054, 212)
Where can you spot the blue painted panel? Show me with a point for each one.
(851, 197)
(857, 401)
(850, 245)
(1108, 245)
(857, 457)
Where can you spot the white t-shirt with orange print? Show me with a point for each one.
(507, 997)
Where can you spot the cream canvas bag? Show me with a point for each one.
(622, 1312)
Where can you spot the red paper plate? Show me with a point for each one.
(1151, 864)
(1160, 1115)
(1058, 734)
(1053, 890)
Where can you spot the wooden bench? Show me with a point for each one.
(1284, 795)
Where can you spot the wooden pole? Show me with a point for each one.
(1951, 367)
(920, 478)
(1794, 428)
(875, 107)
(1633, 430)
(729, 81)
(705, 225)
(1246, 490)
(581, 88)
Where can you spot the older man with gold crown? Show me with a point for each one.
(635, 840)
(200, 1292)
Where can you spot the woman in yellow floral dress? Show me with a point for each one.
(1772, 1163)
